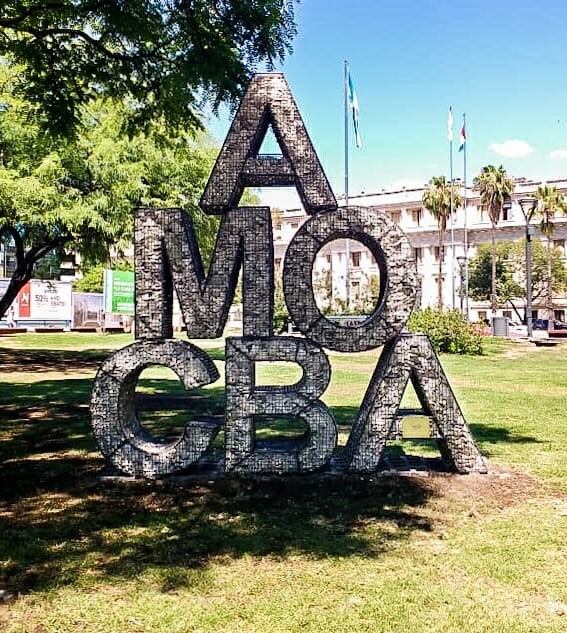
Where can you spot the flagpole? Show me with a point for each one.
(452, 222)
(347, 253)
(466, 236)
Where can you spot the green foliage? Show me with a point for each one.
(281, 315)
(168, 58)
(550, 201)
(448, 331)
(437, 199)
(511, 271)
(79, 194)
(495, 188)
(93, 277)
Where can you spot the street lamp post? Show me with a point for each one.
(528, 206)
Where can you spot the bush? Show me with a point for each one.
(448, 331)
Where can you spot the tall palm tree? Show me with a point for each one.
(549, 202)
(495, 188)
(437, 200)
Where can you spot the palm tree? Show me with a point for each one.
(437, 200)
(549, 202)
(495, 188)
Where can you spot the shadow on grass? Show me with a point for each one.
(59, 524)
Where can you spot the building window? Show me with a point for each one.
(294, 225)
(396, 216)
(355, 259)
(418, 252)
(328, 258)
(559, 244)
(559, 315)
(278, 263)
(416, 216)
(436, 252)
(507, 313)
(482, 316)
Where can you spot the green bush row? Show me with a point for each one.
(448, 331)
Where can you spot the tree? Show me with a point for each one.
(167, 57)
(93, 276)
(511, 273)
(495, 188)
(78, 194)
(437, 200)
(549, 202)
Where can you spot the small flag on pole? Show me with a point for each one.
(353, 103)
(450, 125)
(463, 138)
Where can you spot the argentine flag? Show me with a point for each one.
(353, 104)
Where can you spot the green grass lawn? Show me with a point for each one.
(444, 553)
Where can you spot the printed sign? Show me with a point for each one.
(119, 292)
(24, 301)
(49, 300)
(87, 310)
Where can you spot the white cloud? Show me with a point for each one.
(512, 149)
(558, 154)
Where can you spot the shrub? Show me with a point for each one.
(448, 331)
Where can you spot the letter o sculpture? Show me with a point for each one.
(398, 278)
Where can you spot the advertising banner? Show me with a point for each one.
(48, 300)
(119, 292)
(87, 310)
(24, 301)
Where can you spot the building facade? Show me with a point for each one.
(404, 206)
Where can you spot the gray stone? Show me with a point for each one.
(398, 276)
(410, 357)
(168, 260)
(120, 437)
(245, 400)
(167, 257)
(268, 101)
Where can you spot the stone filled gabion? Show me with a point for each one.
(394, 256)
(120, 437)
(245, 401)
(168, 260)
(410, 357)
(167, 255)
(267, 102)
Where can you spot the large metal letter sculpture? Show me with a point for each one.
(244, 401)
(168, 259)
(268, 101)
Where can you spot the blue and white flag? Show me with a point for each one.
(353, 104)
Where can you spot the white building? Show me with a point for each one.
(404, 207)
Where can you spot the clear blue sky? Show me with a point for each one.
(503, 62)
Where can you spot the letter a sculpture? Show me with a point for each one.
(167, 258)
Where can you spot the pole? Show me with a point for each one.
(528, 277)
(466, 234)
(452, 225)
(347, 249)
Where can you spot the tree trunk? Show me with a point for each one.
(550, 313)
(440, 272)
(493, 301)
(17, 282)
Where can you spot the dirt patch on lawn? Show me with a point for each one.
(483, 494)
